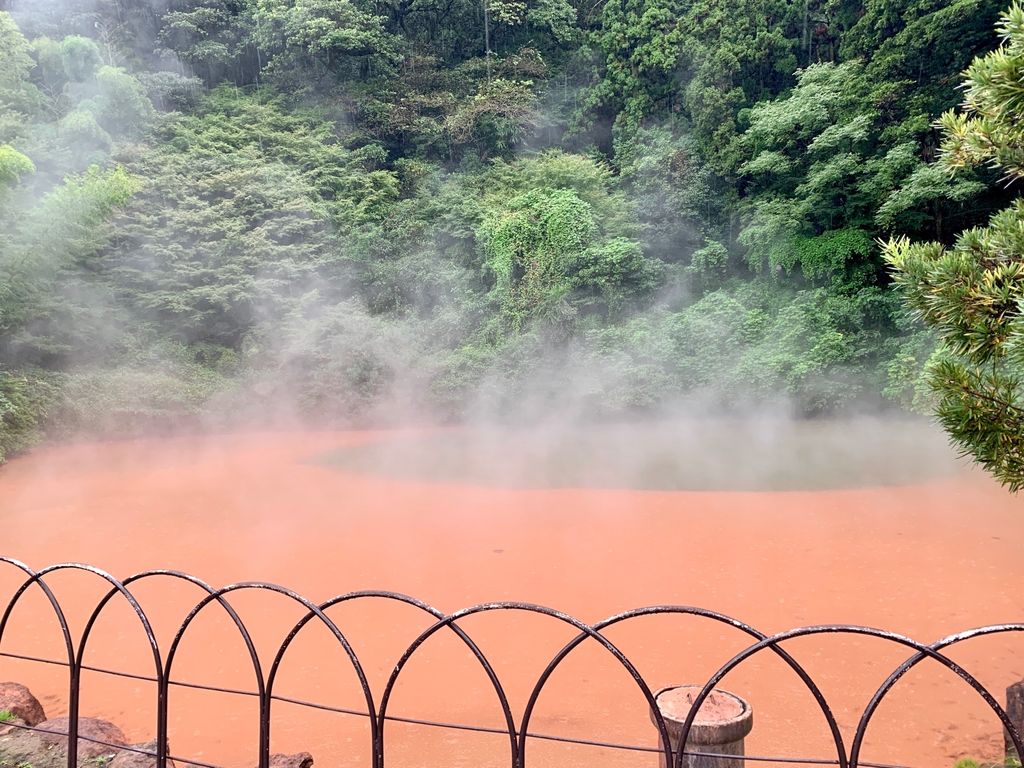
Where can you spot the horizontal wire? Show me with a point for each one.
(428, 723)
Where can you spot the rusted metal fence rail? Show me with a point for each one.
(375, 705)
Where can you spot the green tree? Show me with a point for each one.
(973, 292)
(739, 54)
(497, 119)
(80, 57)
(50, 72)
(808, 152)
(550, 259)
(213, 37)
(13, 165)
(237, 217)
(121, 104)
(52, 309)
(323, 37)
(640, 43)
(19, 99)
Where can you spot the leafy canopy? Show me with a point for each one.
(973, 293)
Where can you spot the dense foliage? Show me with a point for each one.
(973, 291)
(381, 209)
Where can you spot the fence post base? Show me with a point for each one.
(1015, 711)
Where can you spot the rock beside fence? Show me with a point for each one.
(18, 700)
(47, 745)
(127, 758)
(52, 733)
(298, 760)
(44, 743)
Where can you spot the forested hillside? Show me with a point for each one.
(378, 210)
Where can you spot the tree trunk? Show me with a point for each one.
(806, 34)
(487, 40)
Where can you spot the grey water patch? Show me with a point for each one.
(712, 454)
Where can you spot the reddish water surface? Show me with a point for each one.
(925, 559)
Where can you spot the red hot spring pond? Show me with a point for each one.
(776, 523)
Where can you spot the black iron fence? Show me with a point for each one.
(518, 732)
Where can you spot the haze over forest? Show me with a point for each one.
(370, 211)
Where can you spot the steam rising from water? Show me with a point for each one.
(306, 362)
(692, 454)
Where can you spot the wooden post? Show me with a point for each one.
(1015, 711)
(722, 723)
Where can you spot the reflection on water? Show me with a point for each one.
(737, 455)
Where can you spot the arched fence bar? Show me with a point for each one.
(374, 707)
